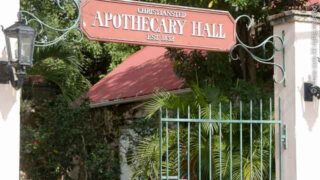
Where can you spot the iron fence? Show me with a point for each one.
(236, 141)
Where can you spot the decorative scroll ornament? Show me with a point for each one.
(270, 41)
(63, 32)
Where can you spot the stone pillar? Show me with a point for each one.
(9, 105)
(300, 159)
(126, 171)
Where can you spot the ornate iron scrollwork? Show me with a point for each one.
(268, 41)
(63, 32)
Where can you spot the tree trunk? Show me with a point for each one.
(252, 65)
(242, 53)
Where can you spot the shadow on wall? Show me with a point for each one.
(310, 110)
(7, 99)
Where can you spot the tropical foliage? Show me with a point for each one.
(145, 159)
(62, 141)
(60, 134)
(213, 79)
(58, 64)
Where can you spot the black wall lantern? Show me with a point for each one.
(311, 91)
(20, 45)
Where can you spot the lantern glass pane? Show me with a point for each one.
(26, 49)
(14, 48)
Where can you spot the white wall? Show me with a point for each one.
(9, 106)
(301, 158)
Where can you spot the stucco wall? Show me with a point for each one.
(300, 159)
(9, 106)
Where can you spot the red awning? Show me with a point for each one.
(139, 75)
(310, 2)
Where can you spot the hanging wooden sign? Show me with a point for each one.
(157, 25)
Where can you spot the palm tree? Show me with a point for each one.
(145, 160)
(60, 65)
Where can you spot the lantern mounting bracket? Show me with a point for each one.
(8, 74)
(4, 75)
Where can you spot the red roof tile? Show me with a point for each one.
(310, 2)
(140, 74)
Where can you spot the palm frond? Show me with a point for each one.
(145, 159)
(159, 100)
(57, 51)
(68, 78)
